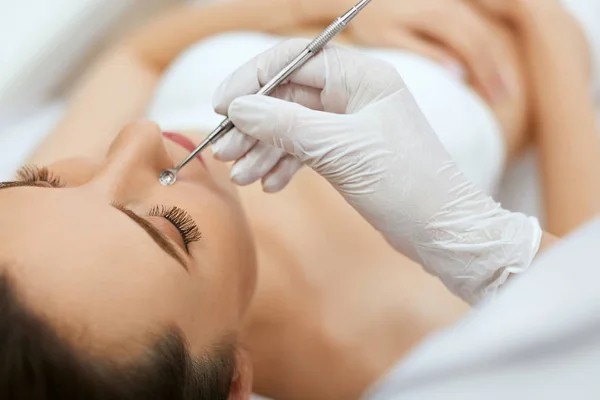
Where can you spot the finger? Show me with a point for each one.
(304, 95)
(250, 77)
(289, 126)
(464, 31)
(329, 68)
(255, 164)
(281, 174)
(232, 146)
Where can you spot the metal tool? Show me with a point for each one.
(169, 176)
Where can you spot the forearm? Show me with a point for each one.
(115, 91)
(566, 131)
(161, 41)
(119, 87)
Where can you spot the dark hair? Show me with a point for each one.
(36, 364)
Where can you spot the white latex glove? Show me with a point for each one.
(358, 126)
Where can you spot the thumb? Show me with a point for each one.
(286, 125)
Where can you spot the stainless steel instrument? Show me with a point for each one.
(169, 176)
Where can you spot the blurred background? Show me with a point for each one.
(46, 45)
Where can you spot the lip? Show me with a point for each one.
(185, 143)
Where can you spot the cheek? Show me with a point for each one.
(226, 253)
(225, 233)
(75, 171)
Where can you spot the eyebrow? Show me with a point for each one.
(16, 184)
(159, 238)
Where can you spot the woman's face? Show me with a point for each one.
(109, 260)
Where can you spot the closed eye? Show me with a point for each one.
(39, 176)
(166, 244)
(181, 220)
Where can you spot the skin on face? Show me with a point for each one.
(100, 278)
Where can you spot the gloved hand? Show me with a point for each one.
(352, 120)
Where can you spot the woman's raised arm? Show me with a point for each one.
(569, 147)
(118, 88)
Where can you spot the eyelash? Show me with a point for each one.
(34, 174)
(182, 221)
(175, 215)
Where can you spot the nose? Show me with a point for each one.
(134, 161)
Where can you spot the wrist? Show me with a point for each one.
(477, 245)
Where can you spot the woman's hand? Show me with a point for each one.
(358, 126)
(443, 30)
(559, 65)
(543, 21)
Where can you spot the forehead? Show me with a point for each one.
(57, 220)
(75, 258)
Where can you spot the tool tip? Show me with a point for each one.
(167, 177)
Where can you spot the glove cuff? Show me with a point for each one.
(474, 256)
